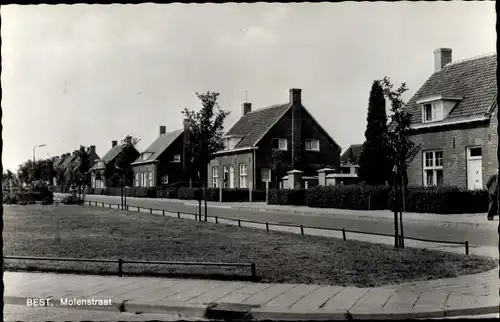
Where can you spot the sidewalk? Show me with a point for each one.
(470, 220)
(468, 295)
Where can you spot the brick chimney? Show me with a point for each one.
(297, 146)
(114, 143)
(163, 129)
(442, 56)
(246, 108)
(92, 149)
(187, 145)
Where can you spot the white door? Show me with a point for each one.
(474, 168)
(231, 176)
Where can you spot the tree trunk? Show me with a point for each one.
(498, 194)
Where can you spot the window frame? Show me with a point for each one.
(177, 158)
(282, 144)
(215, 176)
(311, 148)
(136, 179)
(436, 111)
(435, 166)
(243, 175)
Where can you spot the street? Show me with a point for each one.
(474, 235)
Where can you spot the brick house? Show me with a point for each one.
(349, 166)
(68, 161)
(247, 160)
(98, 178)
(164, 161)
(454, 122)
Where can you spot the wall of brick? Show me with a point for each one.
(234, 159)
(144, 168)
(454, 141)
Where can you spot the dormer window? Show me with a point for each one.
(231, 142)
(146, 155)
(432, 111)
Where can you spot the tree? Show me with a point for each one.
(205, 137)
(78, 172)
(375, 160)
(205, 132)
(128, 155)
(401, 148)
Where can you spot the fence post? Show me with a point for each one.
(109, 205)
(254, 273)
(302, 230)
(90, 203)
(239, 223)
(369, 201)
(103, 204)
(163, 212)
(150, 211)
(216, 219)
(178, 215)
(466, 247)
(267, 226)
(343, 234)
(96, 203)
(127, 207)
(120, 267)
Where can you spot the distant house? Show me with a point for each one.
(453, 117)
(98, 171)
(349, 161)
(69, 161)
(288, 129)
(164, 161)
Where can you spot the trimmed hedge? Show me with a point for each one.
(439, 200)
(357, 197)
(444, 200)
(228, 194)
(287, 197)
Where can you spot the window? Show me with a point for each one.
(280, 144)
(432, 112)
(433, 168)
(226, 176)
(177, 158)
(93, 182)
(231, 176)
(150, 182)
(143, 179)
(136, 179)
(231, 144)
(312, 145)
(146, 155)
(243, 176)
(475, 152)
(265, 175)
(164, 179)
(215, 177)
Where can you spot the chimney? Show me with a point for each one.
(75, 152)
(246, 108)
(92, 149)
(442, 56)
(187, 144)
(63, 156)
(163, 129)
(296, 96)
(297, 146)
(88, 149)
(114, 143)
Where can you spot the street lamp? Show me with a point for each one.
(34, 147)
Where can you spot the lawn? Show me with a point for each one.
(85, 232)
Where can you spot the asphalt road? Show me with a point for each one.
(26, 313)
(428, 230)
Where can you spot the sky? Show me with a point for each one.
(88, 74)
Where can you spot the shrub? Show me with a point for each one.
(188, 193)
(39, 193)
(139, 192)
(358, 197)
(151, 192)
(10, 200)
(443, 200)
(164, 192)
(70, 200)
(295, 197)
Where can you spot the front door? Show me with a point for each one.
(474, 168)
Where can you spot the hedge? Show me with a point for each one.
(439, 200)
(287, 197)
(228, 194)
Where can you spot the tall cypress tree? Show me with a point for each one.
(374, 163)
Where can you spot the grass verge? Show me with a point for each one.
(85, 232)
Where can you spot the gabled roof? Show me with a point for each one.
(356, 154)
(69, 160)
(110, 155)
(473, 80)
(159, 146)
(58, 162)
(255, 124)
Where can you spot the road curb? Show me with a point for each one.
(182, 309)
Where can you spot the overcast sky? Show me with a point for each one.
(89, 74)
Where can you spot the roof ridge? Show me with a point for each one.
(268, 107)
(470, 59)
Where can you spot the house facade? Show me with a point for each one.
(284, 134)
(98, 171)
(349, 166)
(69, 161)
(454, 122)
(164, 162)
